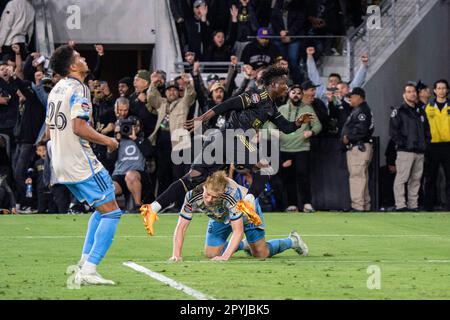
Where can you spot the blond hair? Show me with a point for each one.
(217, 182)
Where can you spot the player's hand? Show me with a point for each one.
(193, 124)
(16, 48)
(392, 169)
(142, 97)
(71, 43)
(304, 118)
(28, 181)
(220, 258)
(112, 145)
(196, 68)
(234, 60)
(248, 69)
(287, 164)
(133, 135)
(38, 76)
(154, 79)
(365, 59)
(307, 134)
(175, 259)
(100, 50)
(4, 100)
(234, 13)
(345, 140)
(310, 51)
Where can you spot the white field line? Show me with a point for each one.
(174, 284)
(268, 236)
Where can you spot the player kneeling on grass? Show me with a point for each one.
(218, 197)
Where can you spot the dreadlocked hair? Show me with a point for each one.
(272, 73)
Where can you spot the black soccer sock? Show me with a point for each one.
(180, 186)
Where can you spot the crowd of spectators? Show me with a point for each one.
(147, 116)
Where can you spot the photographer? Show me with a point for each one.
(129, 171)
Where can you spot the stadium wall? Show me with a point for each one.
(423, 53)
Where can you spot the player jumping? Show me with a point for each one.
(218, 198)
(69, 115)
(251, 110)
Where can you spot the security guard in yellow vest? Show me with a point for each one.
(438, 114)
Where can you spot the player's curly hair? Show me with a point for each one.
(272, 73)
(61, 60)
(217, 182)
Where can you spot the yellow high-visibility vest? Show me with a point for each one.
(439, 121)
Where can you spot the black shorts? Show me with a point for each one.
(120, 179)
(244, 153)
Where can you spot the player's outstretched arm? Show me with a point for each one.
(286, 126)
(234, 103)
(82, 129)
(238, 233)
(178, 239)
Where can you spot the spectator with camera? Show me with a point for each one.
(333, 78)
(169, 134)
(16, 26)
(129, 174)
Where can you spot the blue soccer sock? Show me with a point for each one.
(94, 221)
(278, 245)
(104, 236)
(240, 247)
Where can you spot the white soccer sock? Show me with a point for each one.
(89, 268)
(83, 259)
(155, 206)
(250, 198)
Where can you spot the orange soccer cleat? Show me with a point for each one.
(149, 218)
(249, 211)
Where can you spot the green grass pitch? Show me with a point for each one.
(411, 250)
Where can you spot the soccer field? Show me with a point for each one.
(412, 252)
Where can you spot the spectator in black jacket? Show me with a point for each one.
(198, 30)
(339, 105)
(247, 26)
(7, 198)
(9, 103)
(30, 120)
(260, 52)
(221, 48)
(410, 131)
(44, 195)
(138, 102)
(289, 19)
(125, 87)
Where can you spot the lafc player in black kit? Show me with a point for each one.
(250, 110)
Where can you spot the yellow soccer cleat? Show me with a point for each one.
(249, 211)
(149, 218)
